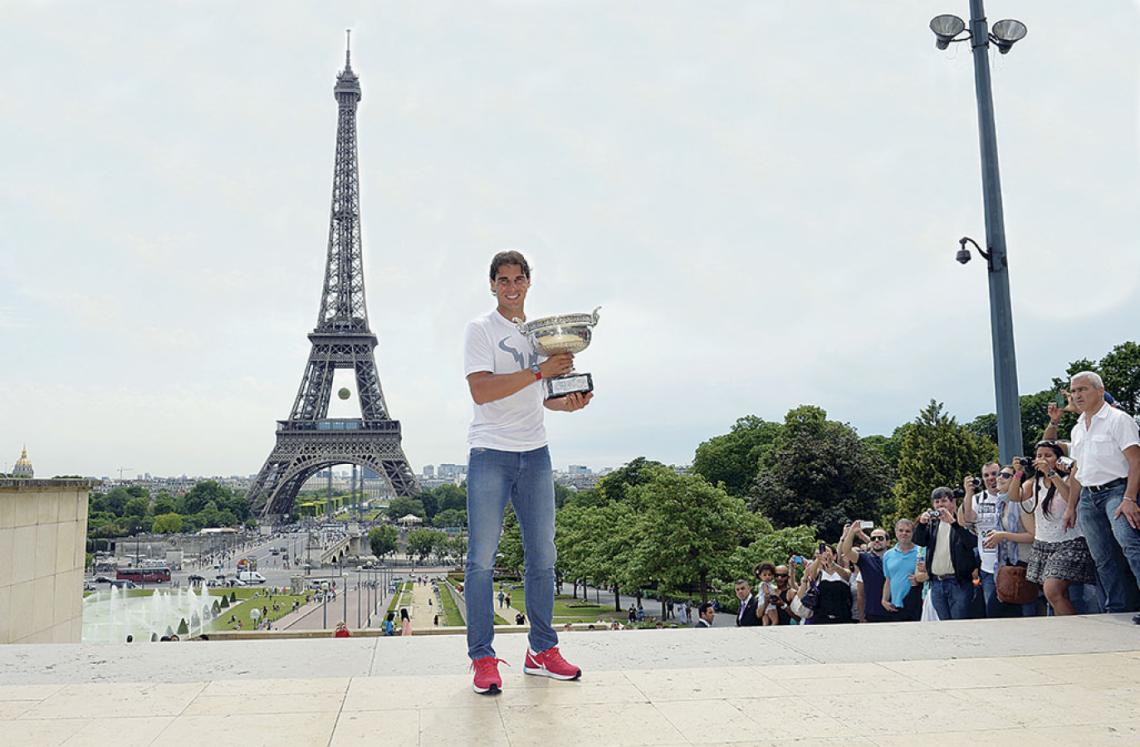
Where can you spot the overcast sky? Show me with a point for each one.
(764, 197)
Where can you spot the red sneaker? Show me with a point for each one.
(550, 664)
(487, 679)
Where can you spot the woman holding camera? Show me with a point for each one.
(1060, 557)
(832, 602)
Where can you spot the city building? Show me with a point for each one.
(429, 471)
(452, 471)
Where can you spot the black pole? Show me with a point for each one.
(1001, 312)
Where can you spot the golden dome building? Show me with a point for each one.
(23, 468)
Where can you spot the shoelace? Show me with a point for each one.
(481, 665)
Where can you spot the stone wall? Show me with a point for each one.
(43, 533)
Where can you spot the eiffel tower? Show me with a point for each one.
(309, 441)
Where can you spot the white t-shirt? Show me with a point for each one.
(1099, 448)
(985, 507)
(514, 423)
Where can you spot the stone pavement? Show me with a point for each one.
(1015, 682)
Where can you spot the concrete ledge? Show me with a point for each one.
(362, 656)
(78, 483)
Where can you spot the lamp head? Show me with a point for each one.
(945, 28)
(1006, 33)
(963, 255)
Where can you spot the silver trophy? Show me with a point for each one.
(566, 333)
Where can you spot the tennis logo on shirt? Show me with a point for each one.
(523, 365)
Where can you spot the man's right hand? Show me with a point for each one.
(890, 607)
(556, 365)
(968, 485)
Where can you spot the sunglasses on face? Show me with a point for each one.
(781, 575)
(878, 539)
(1006, 475)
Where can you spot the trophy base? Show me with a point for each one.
(560, 386)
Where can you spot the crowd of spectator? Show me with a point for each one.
(1056, 533)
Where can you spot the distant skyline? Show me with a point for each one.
(764, 198)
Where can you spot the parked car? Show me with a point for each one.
(251, 577)
(122, 583)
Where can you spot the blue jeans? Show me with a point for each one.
(989, 590)
(526, 480)
(1115, 547)
(952, 598)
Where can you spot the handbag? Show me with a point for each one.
(1013, 587)
(810, 598)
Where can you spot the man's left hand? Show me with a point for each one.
(1131, 513)
(575, 401)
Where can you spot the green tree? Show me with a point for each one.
(936, 451)
(452, 496)
(1034, 418)
(687, 531)
(421, 543)
(459, 547)
(204, 492)
(615, 485)
(510, 556)
(383, 540)
(164, 503)
(562, 494)
(774, 546)
(168, 523)
(1120, 370)
(401, 506)
(734, 458)
(820, 473)
(136, 508)
(430, 503)
(112, 502)
(450, 518)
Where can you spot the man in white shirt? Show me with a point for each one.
(1106, 449)
(979, 513)
(509, 461)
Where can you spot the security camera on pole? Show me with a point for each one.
(950, 29)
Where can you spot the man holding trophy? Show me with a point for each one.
(514, 369)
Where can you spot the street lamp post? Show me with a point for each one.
(950, 29)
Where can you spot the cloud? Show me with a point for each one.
(767, 218)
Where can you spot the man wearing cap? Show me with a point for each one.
(950, 556)
(1106, 447)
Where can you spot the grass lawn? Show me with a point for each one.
(567, 609)
(451, 615)
(403, 598)
(249, 598)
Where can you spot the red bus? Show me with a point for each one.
(144, 574)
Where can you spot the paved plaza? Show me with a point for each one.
(1016, 682)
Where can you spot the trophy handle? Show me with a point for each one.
(595, 314)
(519, 323)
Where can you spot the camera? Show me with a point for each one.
(959, 493)
(934, 515)
(977, 483)
(1064, 465)
(1025, 464)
